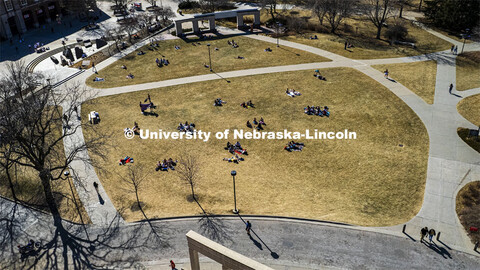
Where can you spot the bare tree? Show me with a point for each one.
(188, 171)
(337, 10)
(114, 33)
(401, 4)
(378, 12)
(134, 179)
(318, 7)
(33, 114)
(271, 5)
(130, 26)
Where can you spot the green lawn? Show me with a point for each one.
(419, 77)
(190, 60)
(370, 181)
(468, 71)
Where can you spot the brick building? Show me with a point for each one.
(19, 16)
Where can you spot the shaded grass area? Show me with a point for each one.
(468, 71)
(470, 140)
(370, 181)
(470, 109)
(360, 32)
(190, 60)
(468, 208)
(419, 77)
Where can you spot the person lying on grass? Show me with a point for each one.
(234, 159)
(130, 76)
(125, 160)
(219, 102)
(98, 79)
(292, 93)
(135, 128)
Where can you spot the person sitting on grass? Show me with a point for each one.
(261, 121)
(141, 52)
(268, 49)
(234, 159)
(123, 67)
(130, 76)
(259, 126)
(249, 125)
(240, 57)
(216, 49)
(98, 79)
(177, 47)
(250, 104)
(205, 65)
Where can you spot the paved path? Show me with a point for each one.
(451, 165)
(279, 243)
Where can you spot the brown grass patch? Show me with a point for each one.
(468, 208)
(419, 77)
(370, 181)
(189, 60)
(470, 109)
(468, 71)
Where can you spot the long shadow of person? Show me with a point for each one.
(256, 243)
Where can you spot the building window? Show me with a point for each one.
(23, 2)
(8, 5)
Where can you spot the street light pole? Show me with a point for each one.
(209, 57)
(276, 22)
(235, 210)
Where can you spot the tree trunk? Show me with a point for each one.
(10, 183)
(45, 177)
(401, 11)
(420, 5)
(379, 30)
(193, 193)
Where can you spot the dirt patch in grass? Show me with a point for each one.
(419, 77)
(473, 142)
(468, 208)
(190, 60)
(470, 109)
(370, 181)
(468, 71)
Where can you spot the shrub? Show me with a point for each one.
(188, 4)
(397, 31)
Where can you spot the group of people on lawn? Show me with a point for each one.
(235, 149)
(317, 110)
(186, 127)
(166, 164)
(232, 43)
(247, 104)
(259, 124)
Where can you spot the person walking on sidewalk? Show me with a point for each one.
(450, 88)
(423, 232)
(95, 185)
(431, 234)
(248, 228)
(94, 69)
(172, 265)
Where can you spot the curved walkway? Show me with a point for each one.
(451, 165)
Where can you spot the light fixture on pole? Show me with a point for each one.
(209, 57)
(235, 210)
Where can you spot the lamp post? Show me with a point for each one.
(235, 210)
(465, 36)
(276, 23)
(209, 57)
